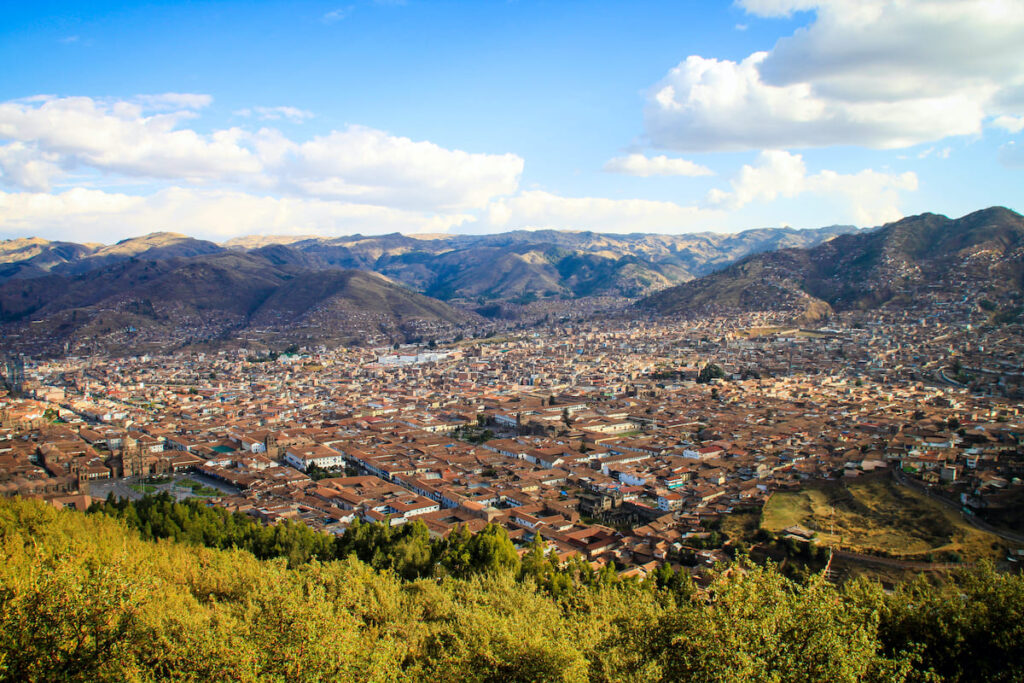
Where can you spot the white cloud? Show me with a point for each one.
(873, 50)
(877, 73)
(872, 197)
(120, 138)
(1012, 124)
(777, 8)
(536, 209)
(27, 167)
(222, 214)
(48, 136)
(212, 214)
(371, 166)
(936, 152)
(640, 165)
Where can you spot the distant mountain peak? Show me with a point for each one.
(155, 237)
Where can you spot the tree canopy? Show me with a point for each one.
(88, 598)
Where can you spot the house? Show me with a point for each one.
(669, 501)
(703, 452)
(301, 456)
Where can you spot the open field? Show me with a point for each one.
(878, 517)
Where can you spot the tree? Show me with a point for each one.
(757, 625)
(453, 555)
(491, 550)
(534, 564)
(316, 473)
(83, 597)
(982, 611)
(710, 372)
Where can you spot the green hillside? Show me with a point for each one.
(82, 597)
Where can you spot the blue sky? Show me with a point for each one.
(218, 119)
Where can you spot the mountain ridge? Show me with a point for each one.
(982, 251)
(471, 269)
(140, 303)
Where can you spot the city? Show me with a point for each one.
(606, 439)
(505, 342)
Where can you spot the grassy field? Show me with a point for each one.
(879, 517)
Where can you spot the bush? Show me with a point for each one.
(85, 598)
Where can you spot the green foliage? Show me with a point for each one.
(463, 554)
(474, 434)
(1008, 315)
(525, 298)
(710, 372)
(761, 626)
(316, 473)
(967, 630)
(406, 550)
(85, 598)
(197, 523)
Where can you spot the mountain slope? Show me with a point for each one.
(551, 262)
(137, 303)
(468, 268)
(918, 258)
(35, 257)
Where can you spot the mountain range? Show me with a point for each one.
(466, 268)
(912, 261)
(142, 304)
(166, 290)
